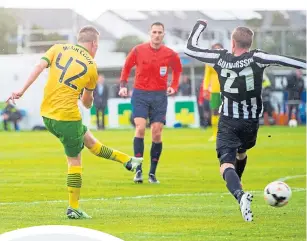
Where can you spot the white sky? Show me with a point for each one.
(91, 9)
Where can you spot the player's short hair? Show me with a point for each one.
(157, 24)
(243, 37)
(87, 34)
(217, 46)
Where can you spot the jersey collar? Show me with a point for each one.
(82, 47)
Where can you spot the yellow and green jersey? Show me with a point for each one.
(211, 80)
(71, 69)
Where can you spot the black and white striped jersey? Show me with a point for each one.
(240, 77)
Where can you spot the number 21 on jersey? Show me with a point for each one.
(231, 76)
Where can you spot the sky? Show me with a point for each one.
(91, 9)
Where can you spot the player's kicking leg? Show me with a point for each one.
(226, 146)
(234, 186)
(100, 150)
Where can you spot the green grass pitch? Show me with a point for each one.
(190, 204)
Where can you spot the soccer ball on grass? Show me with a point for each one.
(277, 194)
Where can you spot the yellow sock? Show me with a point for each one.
(214, 123)
(74, 183)
(105, 152)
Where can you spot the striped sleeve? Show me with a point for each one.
(264, 60)
(202, 54)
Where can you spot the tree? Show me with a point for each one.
(126, 43)
(8, 32)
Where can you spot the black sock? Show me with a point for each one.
(239, 166)
(155, 152)
(233, 183)
(138, 145)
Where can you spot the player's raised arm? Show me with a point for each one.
(129, 63)
(192, 49)
(177, 69)
(265, 59)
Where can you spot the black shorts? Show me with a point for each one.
(235, 136)
(149, 104)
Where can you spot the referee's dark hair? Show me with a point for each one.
(157, 24)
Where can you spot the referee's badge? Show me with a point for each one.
(163, 71)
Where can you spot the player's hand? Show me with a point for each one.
(205, 22)
(15, 96)
(170, 91)
(123, 92)
(206, 94)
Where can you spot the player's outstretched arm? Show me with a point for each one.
(264, 59)
(33, 76)
(192, 49)
(129, 63)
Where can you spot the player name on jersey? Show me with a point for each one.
(237, 64)
(76, 48)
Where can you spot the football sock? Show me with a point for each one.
(239, 166)
(138, 146)
(214, 124)
(74, 183)
(105, 152)
(233, 183)
(155, 152)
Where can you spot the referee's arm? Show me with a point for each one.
(192, 49)
(129, 63)
(177, 70)
(264, 60)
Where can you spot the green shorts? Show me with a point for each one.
(215, 101)
(70, 133)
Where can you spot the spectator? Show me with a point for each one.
(11, 114)
(203, 108)
(266, 98)
(101, 95)
(185, 86)
(295, 88)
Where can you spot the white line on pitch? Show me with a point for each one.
(137, 197)
(290, 177)
(151, 196)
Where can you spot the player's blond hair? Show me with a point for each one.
(243, 37)
(87, 34)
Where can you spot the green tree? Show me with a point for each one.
(8, 32)
(126, 43)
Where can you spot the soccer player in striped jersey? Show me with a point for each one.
(240, 75)
(73, 70)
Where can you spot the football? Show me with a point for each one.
(292, 123)
(277, 194)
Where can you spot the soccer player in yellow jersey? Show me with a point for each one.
(73, 69)
(211, 87)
